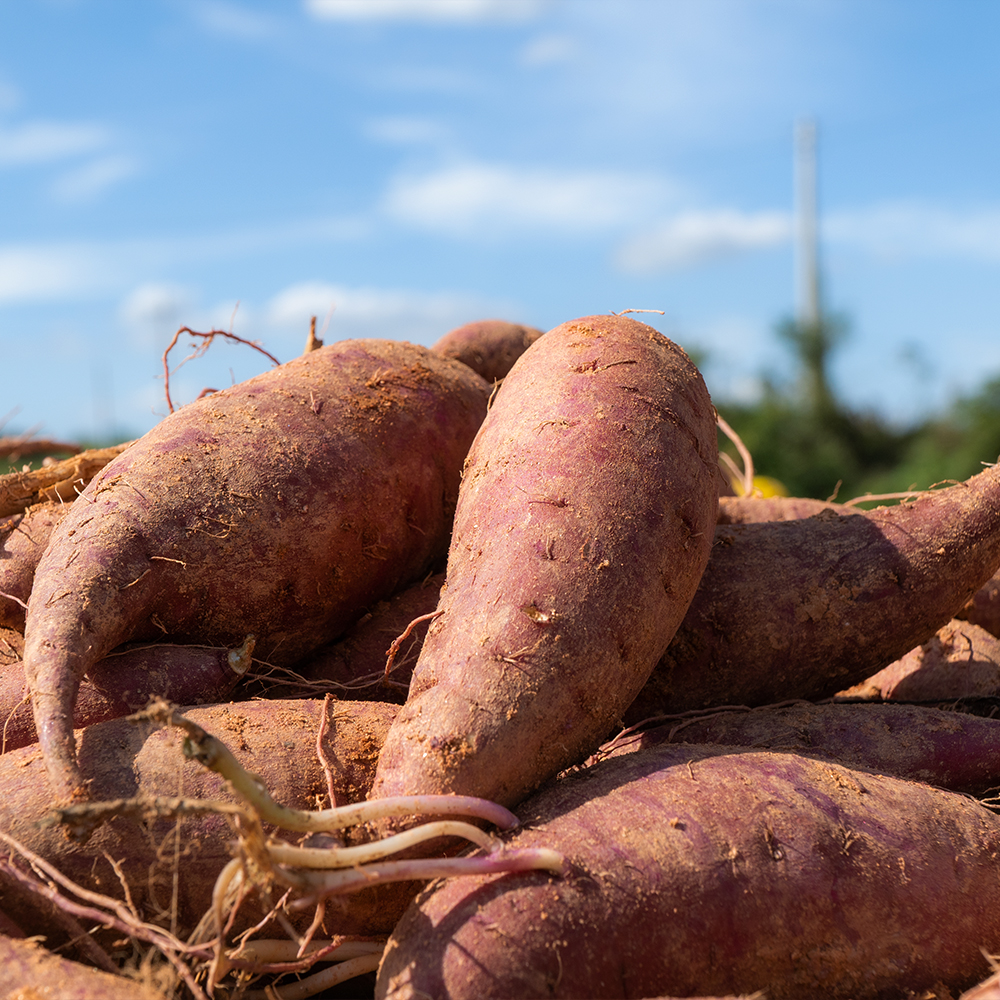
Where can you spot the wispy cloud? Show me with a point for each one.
(696, 237)
(46, 142)
(433, 11)
(29, 273)
(91, 180)
(234, 21)
(373, 312)
(10, 96)
(153, 311)
(404, 130)
(156, 304)
(905, 230)
(549, 50)
(484, 199)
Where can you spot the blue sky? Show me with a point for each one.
(412, 165)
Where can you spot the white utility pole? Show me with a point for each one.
(806, 216)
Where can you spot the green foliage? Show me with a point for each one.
(818, 447)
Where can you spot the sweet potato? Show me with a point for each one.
(949, 749)
(30, 972)
(753, 509)
(125, 681)
(805, 608)
(276, 740)
(489, 347)
(11, 646)
(583, 525)
(718, 871)
(282, 507)
(983, 608)
(23, 538)
(960, 660)
(354, 665)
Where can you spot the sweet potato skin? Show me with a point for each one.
(276, 740)
(805, 608)
(919, 743)
(354, 665)
(582, 528)
(29, 972)
(718, 871)
(23, 538)
(124, 682)
(983, 608)
(281, 507)
(960, 660)
(754, 509)
(488, 346)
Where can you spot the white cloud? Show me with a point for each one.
(44, 142)
(908, 230)
(10, 96)
(234, 21)
(373, 312)
(485, 199)
(152, 312)
(156, 304)
(92, 179)
(548, 50)
(402, 130)
(695, 237)
(32, 272)
(29, 273)
(439, 11)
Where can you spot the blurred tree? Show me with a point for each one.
(804, 436)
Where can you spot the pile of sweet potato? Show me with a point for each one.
(520, 585)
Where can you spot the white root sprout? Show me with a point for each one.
(310, 874)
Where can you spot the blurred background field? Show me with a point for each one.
(400, 167)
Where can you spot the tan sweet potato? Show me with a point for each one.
(29, 972)
(583, 526)
(276, 740)
(960, 660)
(489, 346)
(282, 507)
(701, 871)
(754, 509)
(805, 608)
(983, 608)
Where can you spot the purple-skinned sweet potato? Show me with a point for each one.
(718, 871)
(949, 749)
(273, 739)
(960, 660)
(124, 682)
(488, 346)
(805, 608)
(583, 525)
(281, 507)
(354, 666)
(23, 538)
